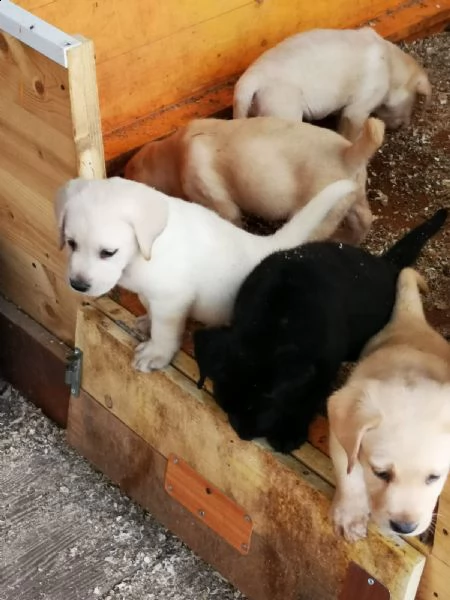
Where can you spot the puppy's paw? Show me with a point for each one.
(148, 357)
(142, 325)
(350, 519)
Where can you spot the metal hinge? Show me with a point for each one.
(73, 371)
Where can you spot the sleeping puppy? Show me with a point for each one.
(314, 74)
(268, 167)
(298, 316)
(181, 258)
(390, 425)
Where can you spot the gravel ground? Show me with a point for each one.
(71, 535)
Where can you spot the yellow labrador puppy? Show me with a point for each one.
(266, 166)
(390, 425)
(313, 74)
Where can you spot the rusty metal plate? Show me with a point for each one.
(360, 585)
(208, 504)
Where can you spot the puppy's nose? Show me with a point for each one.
(403, 526)
(79, 285)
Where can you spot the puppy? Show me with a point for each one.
(266, 166)
(298, 316)
(314, 74)
(390, 425)
(181, 258)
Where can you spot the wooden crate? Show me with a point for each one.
(63, 111)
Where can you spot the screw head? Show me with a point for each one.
(370, 581)
(244, 547)
(248, 518)
(170, 488)
(201, 513)
(175, 460)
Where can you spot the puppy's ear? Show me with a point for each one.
(211, 351)
(148, 215)
(62, 197)
(352, 414)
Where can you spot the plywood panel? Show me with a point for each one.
(435, 582)
(35, 289)
(50, 132)
(171, 415)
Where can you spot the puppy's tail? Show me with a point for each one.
(335, 200)
(406, 251)
(408, 301)
(366, 144)
(244, 93)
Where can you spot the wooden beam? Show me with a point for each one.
(281, 495)
(34, 361)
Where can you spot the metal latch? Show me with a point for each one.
(73, 371)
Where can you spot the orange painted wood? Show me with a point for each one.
(208, 504)
(156, 54)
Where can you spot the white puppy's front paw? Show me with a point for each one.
(350, 519)
(142, 325)
(148, 357)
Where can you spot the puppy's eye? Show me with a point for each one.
(431, 479)
(107, 253)
(72, 245)
(383, 475)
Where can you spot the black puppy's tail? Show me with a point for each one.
(406, 251)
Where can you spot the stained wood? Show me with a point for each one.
(153, 55)
(434, 584)
(38, 291)
(50, 132)
(33, 360)
(441, 547)
(280, 494)
(207, 503)
(274, 568)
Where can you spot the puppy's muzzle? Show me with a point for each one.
(79, 285)
(403, 527)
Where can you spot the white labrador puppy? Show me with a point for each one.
(181, 258)
(314, 74)
(390, 425)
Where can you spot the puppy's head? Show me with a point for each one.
(106, 224)
(399, 432)
(408, 82)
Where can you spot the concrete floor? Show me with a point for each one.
(71, 535)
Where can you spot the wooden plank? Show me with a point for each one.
(441, 546)
(227, 36)
(38, 291)
(434, 584)
(171, 415)
(274, 568)
(34, 361)
(50, 132)
(360, 584)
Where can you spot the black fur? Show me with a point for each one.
(297, 317)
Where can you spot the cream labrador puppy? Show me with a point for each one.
(390, 425)
(265, 166)
(181, 258)
(314, 74)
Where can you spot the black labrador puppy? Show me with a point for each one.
(297, 317)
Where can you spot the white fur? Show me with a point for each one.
(316, 73)
(197, 260)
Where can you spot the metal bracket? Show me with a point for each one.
(361, 585)
(73, 371)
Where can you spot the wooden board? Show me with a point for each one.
(153, 55)
(273, 568)
(435, 582)
(280, 494)
(50, 132)
(33, 361)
